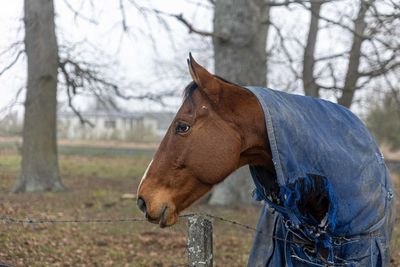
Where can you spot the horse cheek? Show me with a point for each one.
(219, 157)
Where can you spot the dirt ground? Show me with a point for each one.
(97, 181)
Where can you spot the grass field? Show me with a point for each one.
(97, 178)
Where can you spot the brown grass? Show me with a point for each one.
(97, 184)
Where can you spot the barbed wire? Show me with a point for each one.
(247, 227)
(28, 220)
(32, 222)
(230, 221)
(13, 220)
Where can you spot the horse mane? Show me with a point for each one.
(192, 86)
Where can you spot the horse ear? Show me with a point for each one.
(205, 80)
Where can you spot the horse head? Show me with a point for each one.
(219, 128)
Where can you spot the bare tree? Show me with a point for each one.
(352, 75)
(310, 86)
(40, 171)
(39, 167)
(374, 52)
(362, 65)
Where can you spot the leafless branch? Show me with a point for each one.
(285, 49)
(290, 2)
(201, 3)
(82, 77)
(333, 56)
(159, 14)
(185, 22)
(12, 63)
(335, 84)
(333, 76)
(76, 111)
(383, 68)
(12, 48)
(395, 92)
(331, 21)
(78, 14)
(123, 15)
(13, 102)
(71, 86)
(147, 14)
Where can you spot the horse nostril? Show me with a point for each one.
(141, 204)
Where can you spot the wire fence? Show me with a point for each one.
(27, 221)
(33, 221)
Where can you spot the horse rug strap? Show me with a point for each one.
(324, 157)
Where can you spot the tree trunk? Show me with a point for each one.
(310, 86)
(240, 35)
(352, 74)
(39, 167)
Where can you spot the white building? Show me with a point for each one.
(115, 125)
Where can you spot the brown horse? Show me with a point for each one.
(219, 128)
(326, 179)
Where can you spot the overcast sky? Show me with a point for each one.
(134, 51)
(150, 58)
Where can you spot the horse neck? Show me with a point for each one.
(244, 111)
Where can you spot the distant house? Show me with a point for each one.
(10, 124)
(115, 125)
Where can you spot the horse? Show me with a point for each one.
(326, 189)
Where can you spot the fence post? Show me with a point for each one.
(200, 249)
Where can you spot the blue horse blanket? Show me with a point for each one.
(324, 157)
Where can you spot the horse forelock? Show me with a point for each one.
(192, 86)
(188, 91)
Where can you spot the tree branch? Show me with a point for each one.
(12, 63)
(78, 14)
(383, 68)
(79, 76)
(309, 85)
(285, 49)
(123, 15)
(186, 23)
(71, 86)
(333, 56)
(13, 102)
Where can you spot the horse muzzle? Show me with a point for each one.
(164, 217)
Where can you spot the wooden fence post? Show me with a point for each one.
(200, 242)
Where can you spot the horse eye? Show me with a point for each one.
(182, 127)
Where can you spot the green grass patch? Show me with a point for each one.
(10, 162)
(94, 166)
(104, 167)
